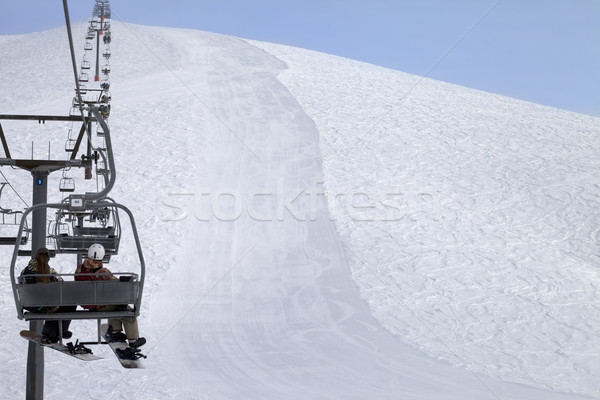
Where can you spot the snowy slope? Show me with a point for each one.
(253, 291)
(481, 246)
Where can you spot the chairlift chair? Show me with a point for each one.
(105, 97)
(83, 77)
(104, 110)
(62, 228)
(97, 228)
(85, 65)
(8, 224)
(88, 46)
(106, 54)
(106, 69)
(9, 219)
(76, 102)
(101, 168)
(74, 112)
(70, 145)
(67, 185)
(127, 290)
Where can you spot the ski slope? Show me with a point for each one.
(251, 169)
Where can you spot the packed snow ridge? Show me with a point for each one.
(320, 228)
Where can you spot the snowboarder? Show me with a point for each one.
(39, 266)
(93, 269)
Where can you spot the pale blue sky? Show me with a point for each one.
(544, 51)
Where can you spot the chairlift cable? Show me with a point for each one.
(14, 190)
(74, 62)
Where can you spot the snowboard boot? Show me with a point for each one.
(49, 339)
(115, 336)
(139, 342)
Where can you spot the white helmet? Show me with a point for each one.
(96, 251)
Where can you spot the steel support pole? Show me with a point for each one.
(35, 355)
(35, 366)
(40, 196)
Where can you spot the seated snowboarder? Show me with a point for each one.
(39, 266)
(92, 269)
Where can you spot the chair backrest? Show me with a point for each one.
(72, 293)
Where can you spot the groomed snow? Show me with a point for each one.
(482, 244)
(244, 164)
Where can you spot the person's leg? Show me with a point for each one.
(131, 328)
(50, 330)
(66, 322)
(115, 324)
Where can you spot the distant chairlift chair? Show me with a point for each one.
(89, 227)
(67, 185)
(8, 222)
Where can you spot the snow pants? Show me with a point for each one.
(130, 324)
(50, 329)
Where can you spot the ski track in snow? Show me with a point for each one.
(252, 296)
(482, 243)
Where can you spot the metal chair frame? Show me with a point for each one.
(122, 291)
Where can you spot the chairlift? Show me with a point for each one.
(99, 131)
(8, 219)
(101, 168)
(106, 54)
(70, 145)
(104, 110)
(74, 112)
(105, 97)
(88, 46)
(67, 184)
(83, 77)
(105, 85)
(97, 225)
(8, 223)
(85, 65)
(82, 89)
(125, 290)
(62, 228)
(106, 69)
(76, 102)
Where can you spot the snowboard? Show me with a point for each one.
(120, 345)
(37, 338)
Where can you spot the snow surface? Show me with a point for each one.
(276, 189)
